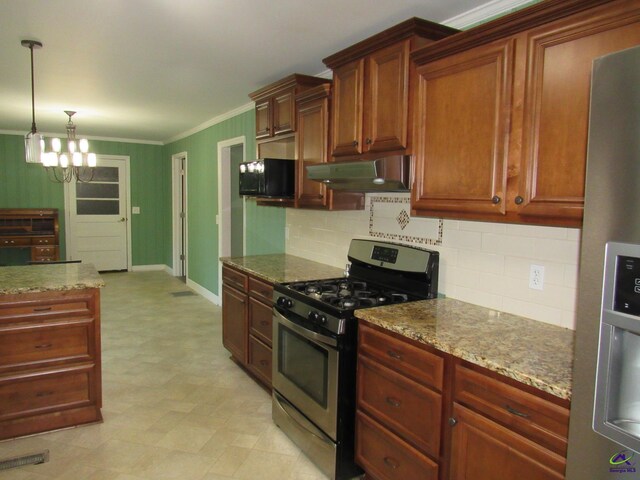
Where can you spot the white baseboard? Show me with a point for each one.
(148, 268)
(212, 297)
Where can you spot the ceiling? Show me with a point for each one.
(150, 70)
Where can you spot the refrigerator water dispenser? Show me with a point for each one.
(617, 396)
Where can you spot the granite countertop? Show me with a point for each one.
(535, 353)
(47, 278)
(282, 268)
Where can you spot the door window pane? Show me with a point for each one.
(97, 190)
(105, 174)
(97, 207)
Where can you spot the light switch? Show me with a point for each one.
(135, 210)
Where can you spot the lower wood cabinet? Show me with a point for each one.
(424, 414)
(246, 321)
(50, 361)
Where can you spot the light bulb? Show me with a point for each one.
(72, 146)
(52, 159)
(84, 145)
(56, 145)
(76, 159)
(64, 160)
(243, 168)
(92, 160)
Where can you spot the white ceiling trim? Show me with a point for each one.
(484, 12)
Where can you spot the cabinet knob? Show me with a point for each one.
(495, 200)
(519, 200)
(453, 422)
(267, 129)
(368, 141)
(390, 462)
(355, 143)
(394, 354)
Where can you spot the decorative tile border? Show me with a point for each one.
(389, 218)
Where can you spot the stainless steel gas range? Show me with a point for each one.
(314, 345)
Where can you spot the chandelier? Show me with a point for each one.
(62, 167)
(76, 162)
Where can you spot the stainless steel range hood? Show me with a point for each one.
(388, 174)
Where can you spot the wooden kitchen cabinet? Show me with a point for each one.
(371, 89)
(312, 148)
(399, 407)
(501, 112)
(35, 229)
(495, 427)
(275, 105)
(50, 361)
(247, 321)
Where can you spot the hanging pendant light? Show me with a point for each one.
(33, 141)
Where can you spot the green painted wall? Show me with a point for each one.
(25, 185)
(265, 225)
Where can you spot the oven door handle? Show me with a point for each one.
(309, 334)
(287, 409)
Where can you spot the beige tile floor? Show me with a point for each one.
(175, 405)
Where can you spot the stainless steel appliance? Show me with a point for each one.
(607, 316)
(314, 345)
(268, 177)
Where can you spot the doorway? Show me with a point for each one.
(179, 215)
(231, 218)
(97, 216)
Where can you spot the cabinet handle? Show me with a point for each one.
(355, 143)
(368, 141)
(495, 199)
(264, 363)
(45, 345)
(43, 394)
(267, 129)
(391, 463)
(42, 309)
(393, 402)
(394, 354)
(519, 200)
(453, 422)
(513, 411)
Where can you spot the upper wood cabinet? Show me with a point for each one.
(312, 148)
(275, 105)
(371, 89)
(502, 110)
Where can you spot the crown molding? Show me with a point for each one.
(485, 12)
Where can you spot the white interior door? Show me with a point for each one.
(97, 216)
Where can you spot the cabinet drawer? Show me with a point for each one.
(386, 457)
(43, 343)
(536, 418)
(46, 391)
(421, 365)
(260, 359)
(14, 242)
(402, 405)
(43, 240)
(234, 279)
(260, 289)
(43, 251)
(33, 307)
(261, 319)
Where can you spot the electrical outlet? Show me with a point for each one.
(536, 277)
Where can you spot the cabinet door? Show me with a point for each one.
(387, 99)
(348, 98)
(283, 113)
(234, 323)
(484, 450)
(463, 108)
(556, 117)
(263, 119)
(313, 125)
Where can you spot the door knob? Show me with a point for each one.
(122, 220)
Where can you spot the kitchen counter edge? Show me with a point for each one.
(15, 280)
(282, 268)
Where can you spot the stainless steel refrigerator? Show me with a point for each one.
(607, 347)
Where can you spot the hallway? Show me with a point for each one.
(174, 405)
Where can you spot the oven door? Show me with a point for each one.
(305, 371)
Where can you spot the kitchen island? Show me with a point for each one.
(50, 357)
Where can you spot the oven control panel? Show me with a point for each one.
(384, 254)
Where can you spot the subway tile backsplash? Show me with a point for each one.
(483, 263)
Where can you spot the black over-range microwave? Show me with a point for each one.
(268, 177)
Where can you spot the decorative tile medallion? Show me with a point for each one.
(389, 219)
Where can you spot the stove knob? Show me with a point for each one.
(313, 316)
(284, 302)
(322, 319)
